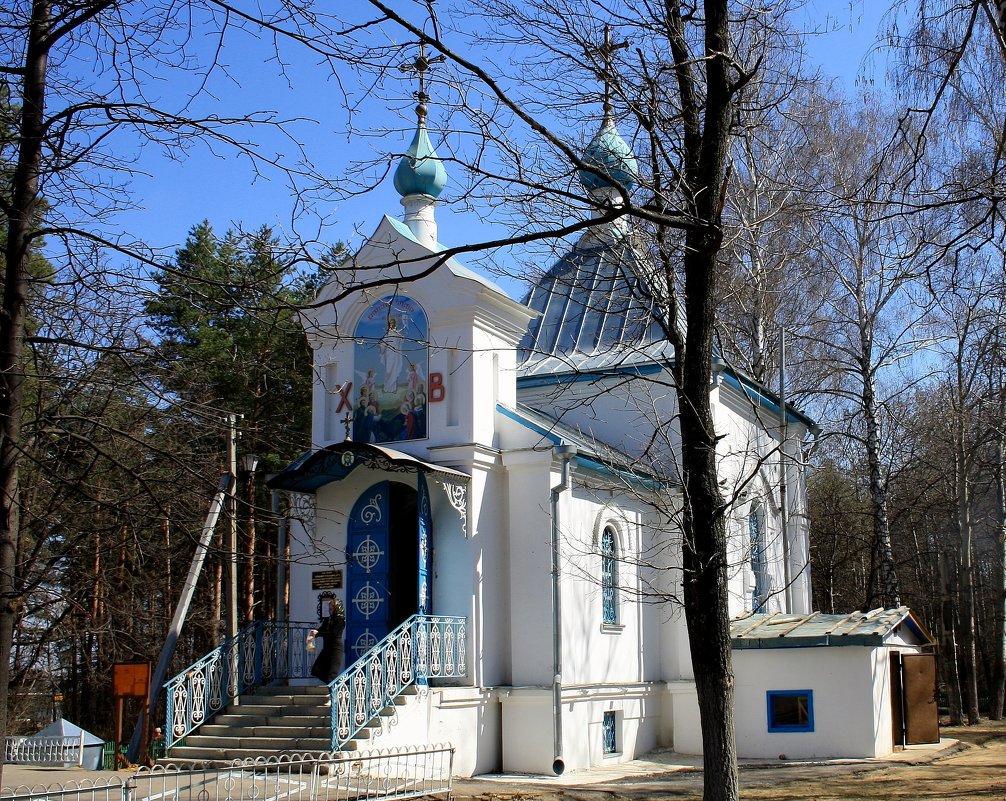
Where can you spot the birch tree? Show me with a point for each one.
(876, 315)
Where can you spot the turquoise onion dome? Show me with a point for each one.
(420, 172)
(611, 156)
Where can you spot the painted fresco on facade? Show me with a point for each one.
(391, 359)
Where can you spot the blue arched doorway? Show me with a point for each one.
(387, 554)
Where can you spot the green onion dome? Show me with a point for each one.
(612, 157)
(420, 172)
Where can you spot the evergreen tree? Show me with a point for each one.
(230, 338)
(230, 341)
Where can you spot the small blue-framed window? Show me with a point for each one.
(609, 577)
(609, 733)
(790, 710)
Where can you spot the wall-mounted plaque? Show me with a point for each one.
(326, 580)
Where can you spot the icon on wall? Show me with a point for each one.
(391, 362)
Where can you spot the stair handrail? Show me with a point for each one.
(422, 647)
(263, 652)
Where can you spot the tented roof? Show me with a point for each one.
(61, 727)
(598, 309)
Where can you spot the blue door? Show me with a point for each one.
(369, 565)
(425, 529)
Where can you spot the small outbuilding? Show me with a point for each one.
(62, 728)
(803, 684)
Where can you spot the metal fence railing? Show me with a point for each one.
(396, 773)
(48, 750)
(101, 788)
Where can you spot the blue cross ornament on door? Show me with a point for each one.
(368, 572)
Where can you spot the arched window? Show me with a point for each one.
(609, 576)
(759, 559)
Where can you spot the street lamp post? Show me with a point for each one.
(232, 557)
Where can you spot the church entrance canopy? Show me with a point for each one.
(318, 468)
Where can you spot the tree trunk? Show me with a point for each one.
(887, 591)
(998, 694)
(967, 594)
(706, 141)
(949, 647)
(21, 215)
(705, 546)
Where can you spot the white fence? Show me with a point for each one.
(54, 750)
(396, 773)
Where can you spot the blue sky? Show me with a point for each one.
(222, 188)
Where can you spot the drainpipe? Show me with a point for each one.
(783, 490)
(564, 453)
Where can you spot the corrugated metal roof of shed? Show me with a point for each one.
(778, 630)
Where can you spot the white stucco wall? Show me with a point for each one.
(467, 718)
(629, 650)
(851, 698)
(680, 727)
(851, 688)
(529, 577)
(624, 412)
(528, 743)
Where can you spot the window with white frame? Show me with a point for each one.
(609, 576)
(759, 558)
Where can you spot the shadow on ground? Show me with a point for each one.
(974, 770)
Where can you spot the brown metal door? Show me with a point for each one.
(918, 680)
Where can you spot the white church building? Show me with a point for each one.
(504, 473)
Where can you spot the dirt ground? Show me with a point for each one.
(975, 770)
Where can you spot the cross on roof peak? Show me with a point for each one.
(419, 66)
(608, 49)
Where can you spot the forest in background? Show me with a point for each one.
(868, 228)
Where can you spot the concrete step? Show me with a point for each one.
(244, 743)
(244, 721)
(285, 689)
(217, 756)
(284, 699)
(273, 721)
(279, 730)
(276, 710)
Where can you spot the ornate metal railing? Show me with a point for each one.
(375, 775)
(57, 749)
(423, 647)
(263, 653)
